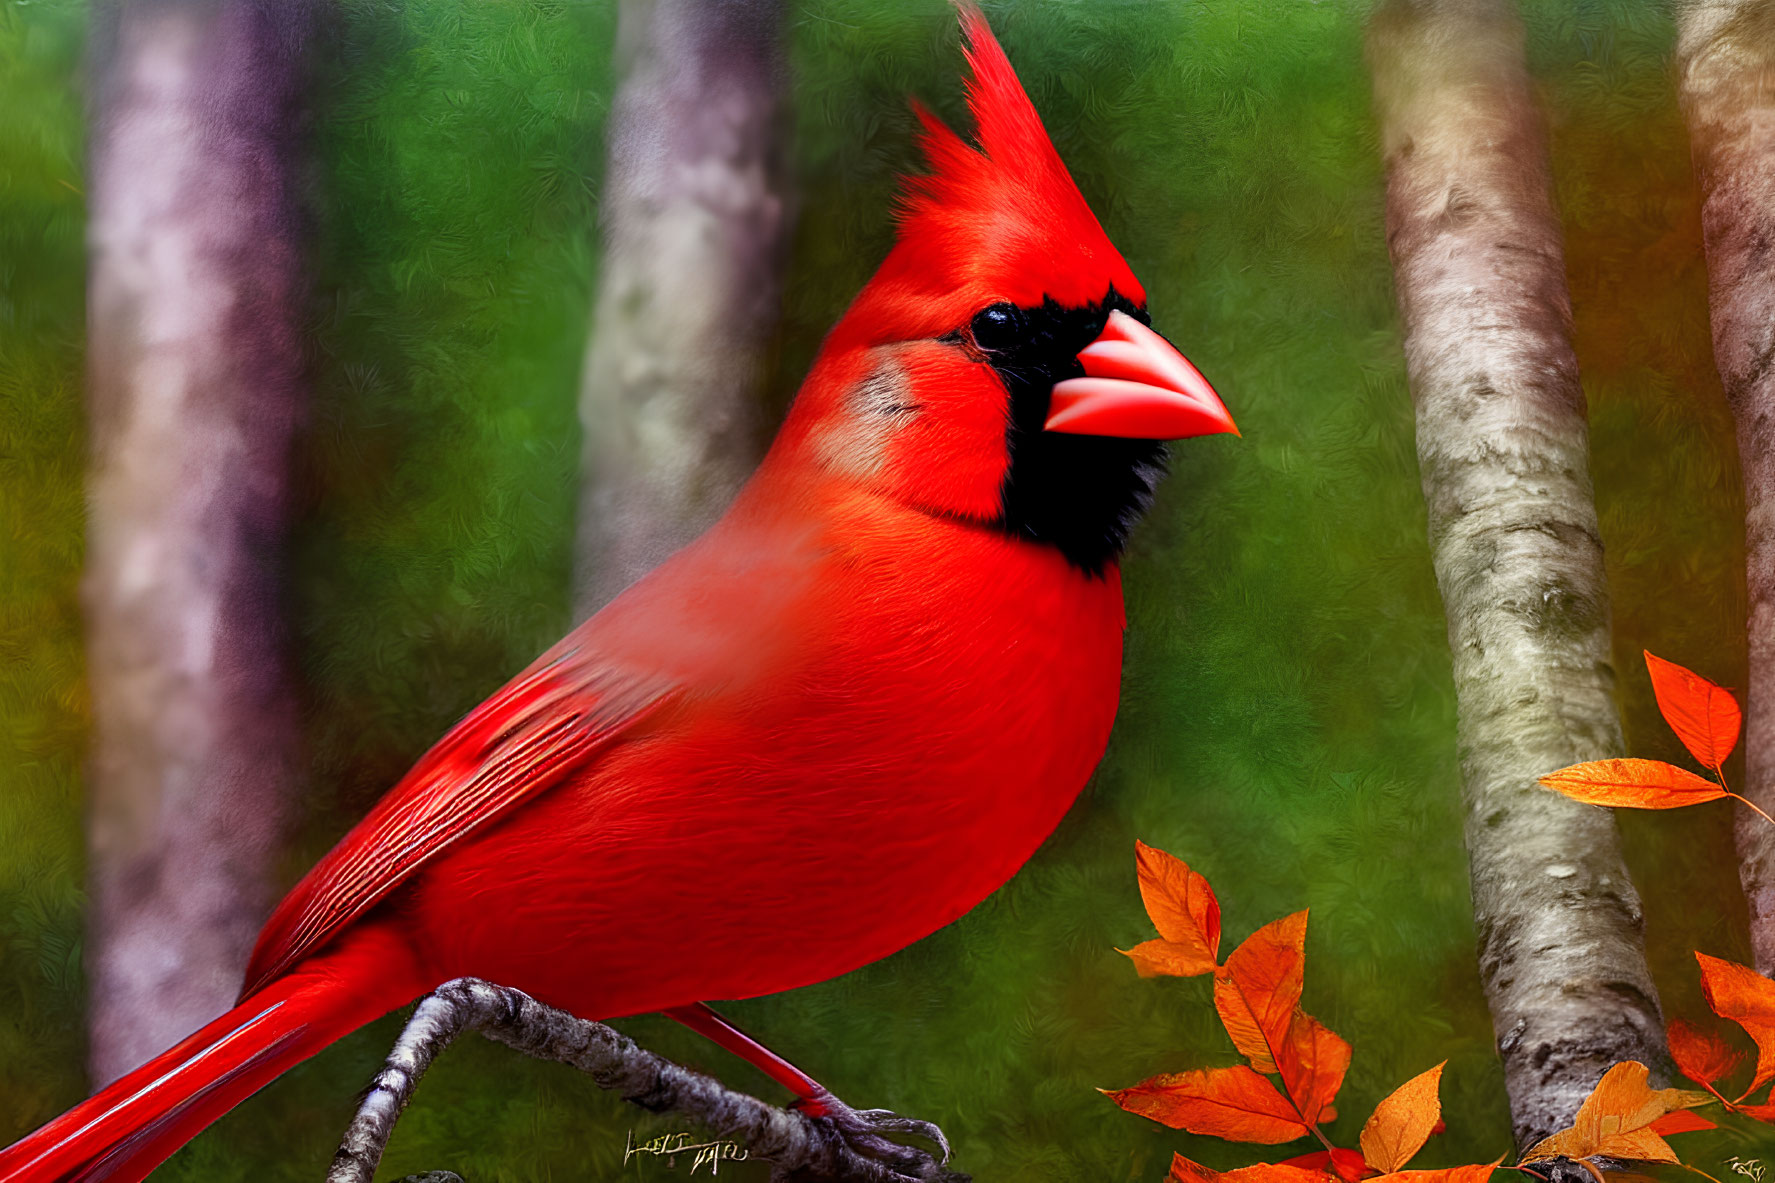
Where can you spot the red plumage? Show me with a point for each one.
(827, 728)
(1003, 223)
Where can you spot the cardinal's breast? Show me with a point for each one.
(871, 747)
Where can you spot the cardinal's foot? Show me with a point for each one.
(873, 1134)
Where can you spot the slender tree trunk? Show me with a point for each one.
(195, 386)
(1502, 448)
(1726, 53)
(694, 224)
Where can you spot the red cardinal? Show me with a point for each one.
(827, 728)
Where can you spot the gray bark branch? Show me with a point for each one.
(1726, 58)
(195, 388)
(695, 221)
(1503, 453)
(799, 1148)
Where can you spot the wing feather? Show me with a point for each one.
(554, 718)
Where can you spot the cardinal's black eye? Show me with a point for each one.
(998, 328)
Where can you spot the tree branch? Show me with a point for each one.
(842, 1149)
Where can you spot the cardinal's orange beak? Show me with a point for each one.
(1137, 387)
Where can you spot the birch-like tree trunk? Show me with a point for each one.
(1726, 53)
(1503, 453)
(195, 387)
(695, 219)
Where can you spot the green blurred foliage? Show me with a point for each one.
(1288, 718)
(42, 697)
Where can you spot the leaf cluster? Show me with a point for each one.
(1704, 716)
(1257, 994)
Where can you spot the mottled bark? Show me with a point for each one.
(694, 220)
(1726, 54)
(1503, 454)
(195, 387)
(848, 1147)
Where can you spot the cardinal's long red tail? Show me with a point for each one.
(129, 1128)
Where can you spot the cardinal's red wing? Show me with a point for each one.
(555, 717)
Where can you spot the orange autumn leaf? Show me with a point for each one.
(1183, 908)
(1257, 993)
(1616, 1118)
(1345, 1164)
(1476, 1173)
(1165, 959)
(1312, 1060)
(1704, 716)
(1233, 1103)
(1633, 784)
(1258, 989)
(1402, 1123)
(1185, 1171)
(1683, 1121)
(1702, 1055)
(1640, 1145)
(1745, 996)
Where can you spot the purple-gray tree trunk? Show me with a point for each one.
(695, 220)
(1503, 450)
(195, 386)
(1726, 57)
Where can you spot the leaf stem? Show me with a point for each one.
(1719, 774)
(1752, 805)
(1685, 1166)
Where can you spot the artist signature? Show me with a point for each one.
(1750, 1168)
(670, 1146)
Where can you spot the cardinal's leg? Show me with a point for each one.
(863, 1127)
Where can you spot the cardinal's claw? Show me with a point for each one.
(862, 1130)
(888, 1122)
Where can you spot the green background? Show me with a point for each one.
(1288, 718)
